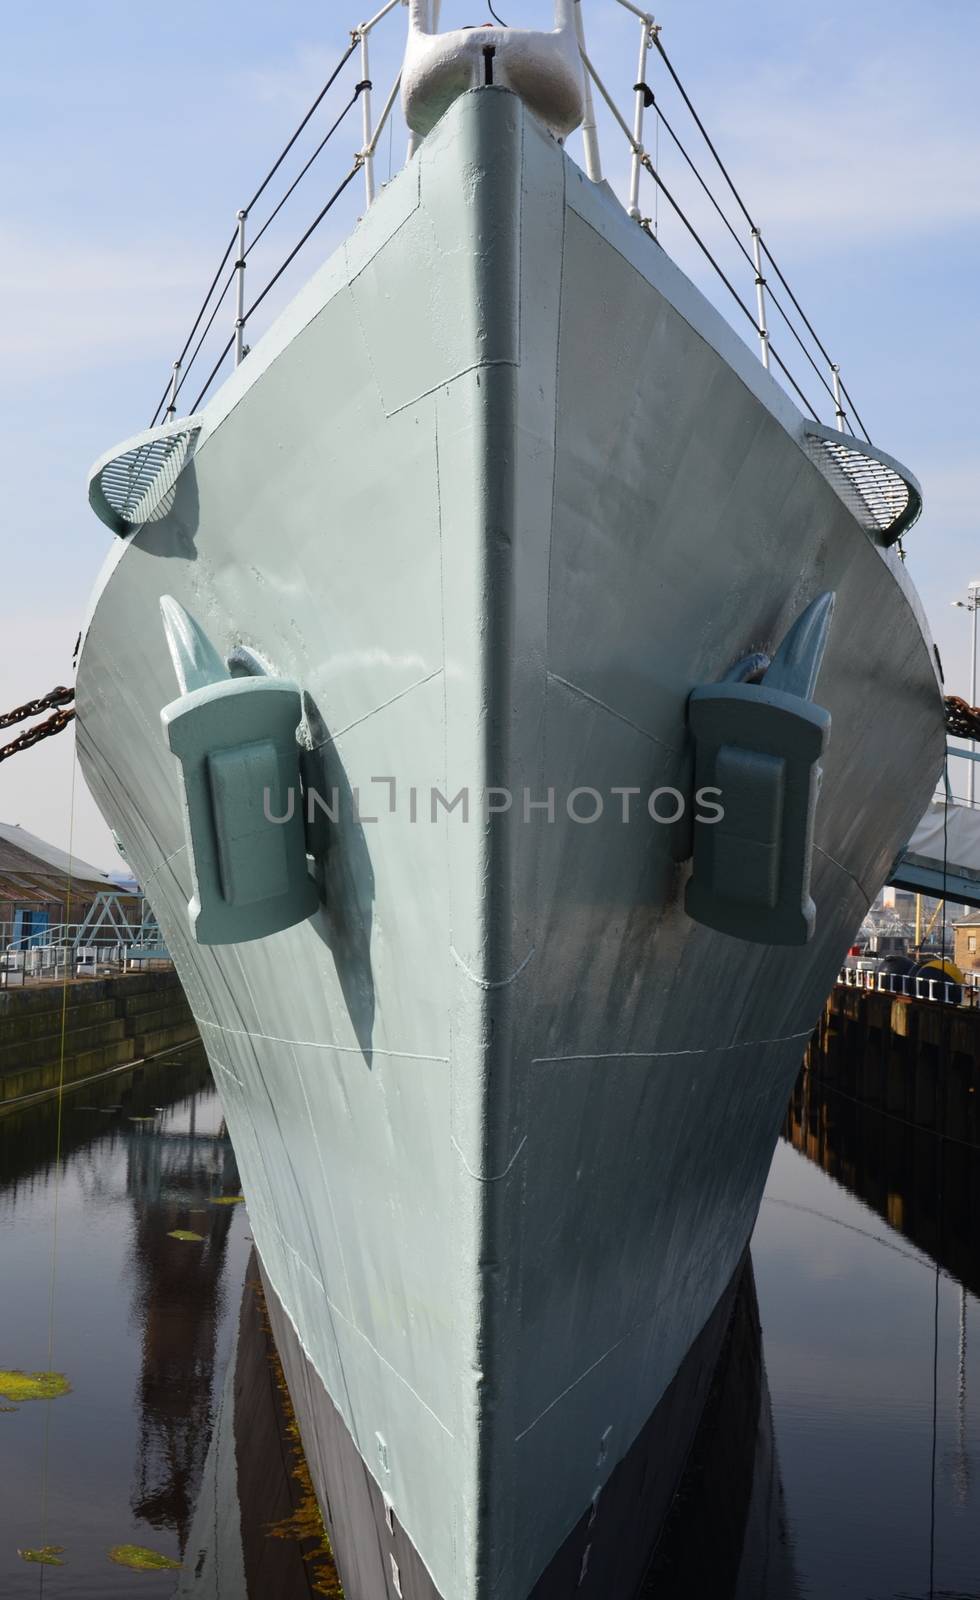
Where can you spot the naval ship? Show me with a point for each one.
(480, 685)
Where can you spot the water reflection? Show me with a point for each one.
(868, 1268)
(143, 1322)
(925, 1188)
(827, 1464)
(172, 1177)
(729, 1536)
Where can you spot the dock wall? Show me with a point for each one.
(915, 1060)
(108, 1022)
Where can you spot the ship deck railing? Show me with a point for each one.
(678, 190)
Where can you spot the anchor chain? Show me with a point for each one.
(962, 720)
(58, 720)
(33, 708)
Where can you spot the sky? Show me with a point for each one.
(130, 134)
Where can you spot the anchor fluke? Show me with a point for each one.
(235, 739)
(760, 745)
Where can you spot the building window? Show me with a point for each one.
(971, 943)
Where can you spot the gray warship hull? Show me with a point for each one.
(498, 490)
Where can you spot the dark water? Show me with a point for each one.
(867, 1258)
(142, 1326)
(832, 1466)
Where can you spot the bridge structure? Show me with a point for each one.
(942, 858)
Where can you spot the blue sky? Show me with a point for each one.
(129, 135)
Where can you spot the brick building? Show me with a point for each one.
(40, 887)
(966, 942)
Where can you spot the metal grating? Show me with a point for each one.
(882, 498)
(138, 485)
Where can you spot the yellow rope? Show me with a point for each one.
(57, 1169)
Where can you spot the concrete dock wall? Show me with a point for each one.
(913, 1059)
(108, 1022)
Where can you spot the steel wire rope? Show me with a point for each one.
(355, 169)
(748, 217)
(272, 215)
(269, 219)
(741, 247)
(210, 324)
(304, 170)
(197, 320)
(727, 282)
(658, 43)
(815, 336)
(286, 149)
(231, 243)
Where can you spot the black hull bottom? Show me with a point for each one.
(606, 1560)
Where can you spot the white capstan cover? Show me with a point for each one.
(545, 69)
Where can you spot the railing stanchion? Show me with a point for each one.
(839, 411)
(760, 297)
(641, 91)
(240, 292)
(172, 405)
(590, 138)
(367, 152)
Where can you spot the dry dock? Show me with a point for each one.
(52, 1033)
(916, 1060)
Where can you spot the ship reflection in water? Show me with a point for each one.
(867, 1257)
(818, 1471)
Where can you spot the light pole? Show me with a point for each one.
(970, 604)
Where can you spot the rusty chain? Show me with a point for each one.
(33, 708)
(40, 730)
(962, 720)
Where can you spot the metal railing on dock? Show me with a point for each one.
(940, 990)
(76, 950)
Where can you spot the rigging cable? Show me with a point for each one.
(207, 329)
(286, 149)
(204, 305)
(748, 217)
(355, 169)
(304, 170)
(741, 247)
(648, 164)
(231, 277)
(231, 243)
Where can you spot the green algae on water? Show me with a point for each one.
(16, 1385)
(49, 1555)
(186, 1236)
(139, 1559)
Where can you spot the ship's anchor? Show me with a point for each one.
(235, 739)
(760, 744)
